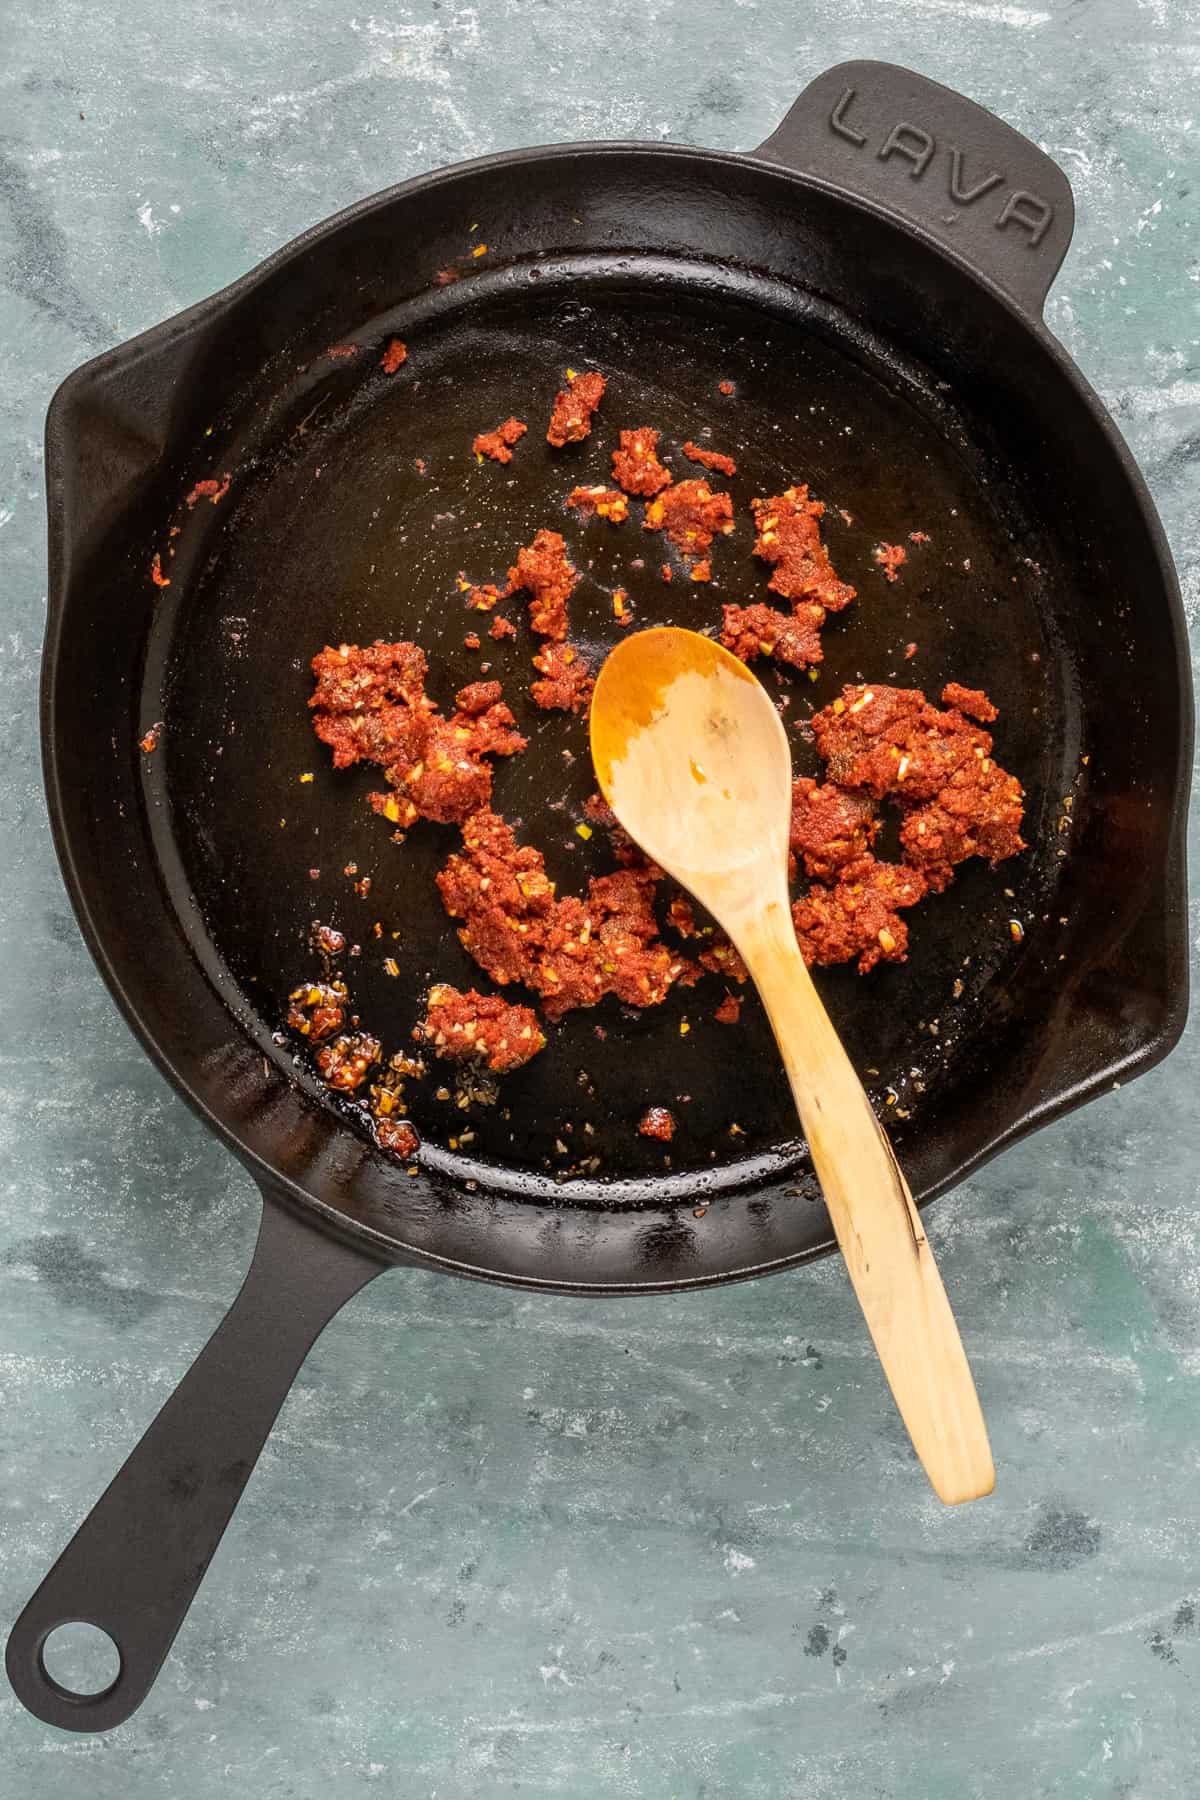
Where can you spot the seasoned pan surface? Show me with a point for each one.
(334, 532)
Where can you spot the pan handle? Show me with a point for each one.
(936, 161)
(134, 1565)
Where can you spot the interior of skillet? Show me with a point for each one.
(352, 517)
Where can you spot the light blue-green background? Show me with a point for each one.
(499, 1545)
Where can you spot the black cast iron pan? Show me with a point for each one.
(871, 280)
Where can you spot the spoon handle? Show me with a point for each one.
(878, 1228)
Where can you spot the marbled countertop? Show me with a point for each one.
(664, 1548)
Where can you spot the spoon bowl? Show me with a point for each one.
(691, 754)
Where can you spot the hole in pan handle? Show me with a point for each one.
(137, 1560)
(938, 162)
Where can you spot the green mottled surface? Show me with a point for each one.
(500, 1545)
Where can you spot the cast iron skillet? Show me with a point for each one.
(871, 280)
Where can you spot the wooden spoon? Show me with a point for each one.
(692, 757)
